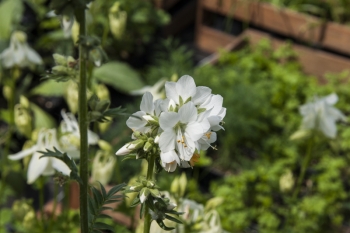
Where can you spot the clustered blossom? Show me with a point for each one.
(321, 115)
(180, 125)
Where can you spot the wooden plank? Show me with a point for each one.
(315, 62)
(210, 40)
(286, 22)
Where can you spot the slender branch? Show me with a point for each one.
(83, 125)
(305, 165)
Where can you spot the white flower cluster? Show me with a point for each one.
(183, 124)
(321, 115)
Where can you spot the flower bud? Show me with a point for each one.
(60, 59)
(29, 221)
(24, 102)
(104, 145)
(178, 186)
(23, 121)
(7, 92)
(144, 193)
(155, 192)
(103, 126)
(147, 147)
(130, 147)
(72, 96)
(117, 21)
(286, 181)
(102, 92)
(102, 105)
(102, 167)
(20, 208)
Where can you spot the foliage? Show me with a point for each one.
(332, 10)
(264, 89)
(97, 203)
(253, 84)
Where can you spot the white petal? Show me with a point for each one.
(23, 153)
(167, 141)
(136, 121)
(33, 56)
(331, 99)
(168, 157)
(92, 138)
(170, 167)
(60, 166)
(36, 167)
(147, 103)
(328, 127)
(171, 93)
(188, 112)
(202, 94)
(216, 102)
(222, 113)
(194, 130)
(168, 120)
(186, 87)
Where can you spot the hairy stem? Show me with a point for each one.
(83, 125)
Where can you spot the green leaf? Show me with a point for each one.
(115, 189)
(10, 12)
(5, 115)
(50, 88)
(162, 225)
(97, 196)
(66, 159)
(42, 119)
(103, 226)
(119, 75)
(173, 219)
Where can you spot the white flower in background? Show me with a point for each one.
(102, 167)
(321, 115)
(19, 53)
(155, 90)
(42, 166)
(117, 20)
(70, 138)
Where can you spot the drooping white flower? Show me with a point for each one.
(181, 131)
(42, 166)
(70, 139)
(19, 53)
(321, 115)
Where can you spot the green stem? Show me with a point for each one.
(10, 107)
(53, 214)
(41, 201)
(83, 125)
(305, 165)
(150, 171)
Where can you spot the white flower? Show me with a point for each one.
(149, 113)
(70, 140)
(181, 131)
(155, 90)
(102, 167)
(42, 166)
(321, 115)
(19, 53)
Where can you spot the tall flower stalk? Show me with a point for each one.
(83, 124)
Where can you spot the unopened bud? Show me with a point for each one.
(144, 193)
(24, 102)
(147, 147)
(7, 92)
(60, 60)
(102, 105)
(102, 92)
(104, 145)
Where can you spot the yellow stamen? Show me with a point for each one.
(194, 159)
